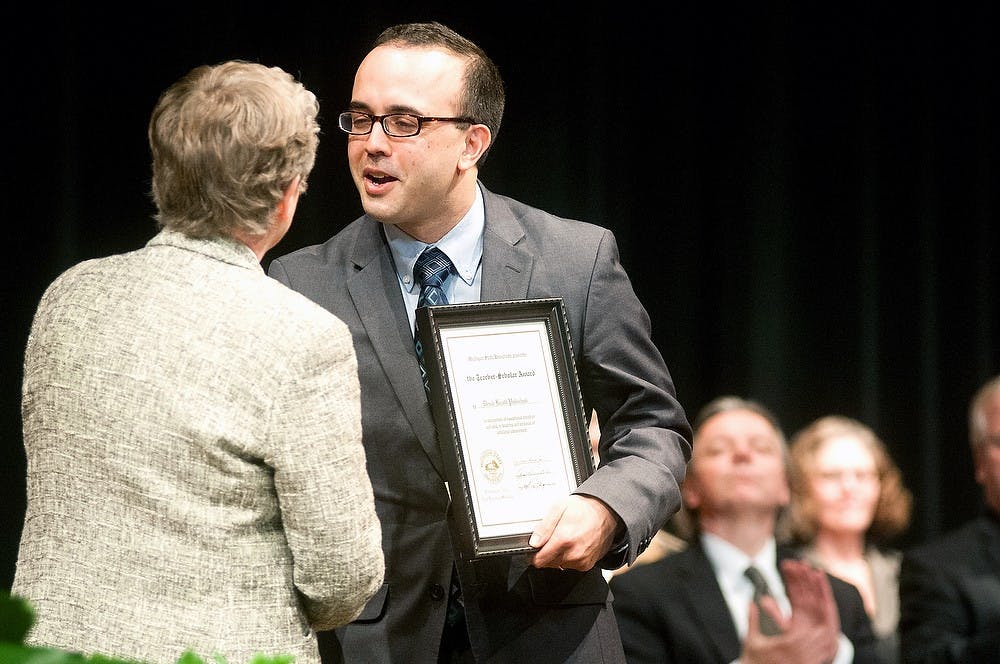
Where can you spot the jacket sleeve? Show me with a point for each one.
(645, 435)
(326, 499)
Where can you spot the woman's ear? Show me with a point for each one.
(286, 206)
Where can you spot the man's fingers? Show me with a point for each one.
(543, 531)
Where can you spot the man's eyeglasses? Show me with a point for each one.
(399, 125)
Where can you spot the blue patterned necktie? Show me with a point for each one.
(431, 270)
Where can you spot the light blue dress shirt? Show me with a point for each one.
(464, 247)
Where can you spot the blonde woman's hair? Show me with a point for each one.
(892, 512)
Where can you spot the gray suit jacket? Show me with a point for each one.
(515, 612)
(195, 471)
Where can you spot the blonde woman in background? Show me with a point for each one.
(848, 502)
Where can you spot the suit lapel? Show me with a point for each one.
(506, 264)
(375, 291)
(699, 585)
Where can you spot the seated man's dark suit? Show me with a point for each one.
(673, 610)
(949, 593)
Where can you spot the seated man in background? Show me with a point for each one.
(734, 593)
(949, 589)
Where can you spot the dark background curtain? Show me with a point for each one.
(805, 197)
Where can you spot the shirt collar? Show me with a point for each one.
(463, 245)
(730, 562)
(221, 248)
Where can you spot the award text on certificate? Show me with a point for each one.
(511, 426)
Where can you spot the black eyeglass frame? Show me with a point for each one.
(421, 119)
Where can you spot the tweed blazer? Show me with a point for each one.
(515, 612)
(196, 478)
(673, 611)
(949, 592)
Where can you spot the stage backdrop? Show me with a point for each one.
(806, 199)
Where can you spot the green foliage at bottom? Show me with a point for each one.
(17, 617)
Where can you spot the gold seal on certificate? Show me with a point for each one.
(492, 466)
(507, 405)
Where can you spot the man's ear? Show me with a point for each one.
(689, 493)
(477, 140)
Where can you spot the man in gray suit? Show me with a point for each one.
(196, 478)
(425, 109)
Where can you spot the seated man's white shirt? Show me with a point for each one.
(730, 563)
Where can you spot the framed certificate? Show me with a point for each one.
(507, 404)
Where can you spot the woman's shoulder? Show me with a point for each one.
(883, 559)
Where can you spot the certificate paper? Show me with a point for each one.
(507, 405)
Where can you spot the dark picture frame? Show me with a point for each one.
(506, 400)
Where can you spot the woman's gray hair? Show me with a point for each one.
(892, 510)
(227, 141)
